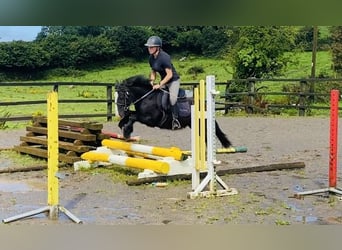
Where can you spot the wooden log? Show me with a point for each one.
(22, 169)
(31, 140)
(71, 123)
(43, 153)
(26, 169)
(62, 133)
(243, 170)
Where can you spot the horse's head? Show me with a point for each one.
(129, 90)
(123, 100)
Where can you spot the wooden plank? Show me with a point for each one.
(99, 134)
(62, 145)
(269, 167)
(27, 168)
(44, 154)
(23, 169)
(72, 123)
(65, 134)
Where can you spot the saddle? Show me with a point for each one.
(183, 106)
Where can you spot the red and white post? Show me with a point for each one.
(334, 98)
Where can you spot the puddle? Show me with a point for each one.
(306, 219)
(294, 207)
(18, 186)
(5, 163)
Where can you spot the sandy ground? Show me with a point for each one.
(263, 197)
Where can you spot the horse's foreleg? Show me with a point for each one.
(127, 128)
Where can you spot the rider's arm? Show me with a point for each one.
(152, 77)
(167, 77)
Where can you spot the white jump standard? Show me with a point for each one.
(204, 151)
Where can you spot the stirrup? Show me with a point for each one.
(175, 124)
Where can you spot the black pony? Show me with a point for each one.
(151, 107)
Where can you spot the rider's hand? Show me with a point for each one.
(157, 86)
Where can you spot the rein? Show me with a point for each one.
(126, 107)
(141, 98)
(138, 100)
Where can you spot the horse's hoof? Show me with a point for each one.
(176, 125)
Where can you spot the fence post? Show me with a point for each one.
(109, 103)
(55, 87)
(227, 98)
(301, 101)
(251, 95)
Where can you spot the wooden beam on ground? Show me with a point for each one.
(243, 170)
(26, 168)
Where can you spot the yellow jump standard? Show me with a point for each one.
(53, 185)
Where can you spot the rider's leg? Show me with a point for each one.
(174, 88)
(175, 122)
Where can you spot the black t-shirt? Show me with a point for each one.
(162, 62)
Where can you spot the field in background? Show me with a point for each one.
(191, 69)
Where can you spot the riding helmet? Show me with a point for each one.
(154, 41)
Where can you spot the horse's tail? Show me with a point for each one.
(222, 136)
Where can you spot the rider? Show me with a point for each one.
(160, 62)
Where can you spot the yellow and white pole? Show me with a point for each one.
(52, 127)
(174, 152)
(157, 166)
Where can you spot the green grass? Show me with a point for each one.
(301, 66)
(18, 159)
(123, 69)
(192, 70)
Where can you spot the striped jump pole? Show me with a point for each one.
(154, 165)
(203, 145)
(334, 98)
(174, 152)
(53, 207)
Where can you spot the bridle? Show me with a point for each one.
(126, 106)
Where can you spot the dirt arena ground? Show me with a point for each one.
(263, 197)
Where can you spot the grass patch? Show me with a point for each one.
(117, 173)
(18, 159)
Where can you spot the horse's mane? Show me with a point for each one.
(137, 81)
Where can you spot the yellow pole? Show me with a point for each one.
(52, 127)
(197, 158)
(154, 165)
(202, 126)
(174, 152)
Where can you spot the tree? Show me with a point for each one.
(260, 50)
(20, 55)
(336, 48)
(304, 38)
(84, 31)
(129, 39)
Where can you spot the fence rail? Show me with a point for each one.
(303, 95)
(109, 100)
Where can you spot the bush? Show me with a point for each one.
(194, 70)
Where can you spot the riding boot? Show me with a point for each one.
(175, 122)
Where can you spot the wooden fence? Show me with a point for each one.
(109, 100)
(302, 95)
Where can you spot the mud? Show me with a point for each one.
(95, 197)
